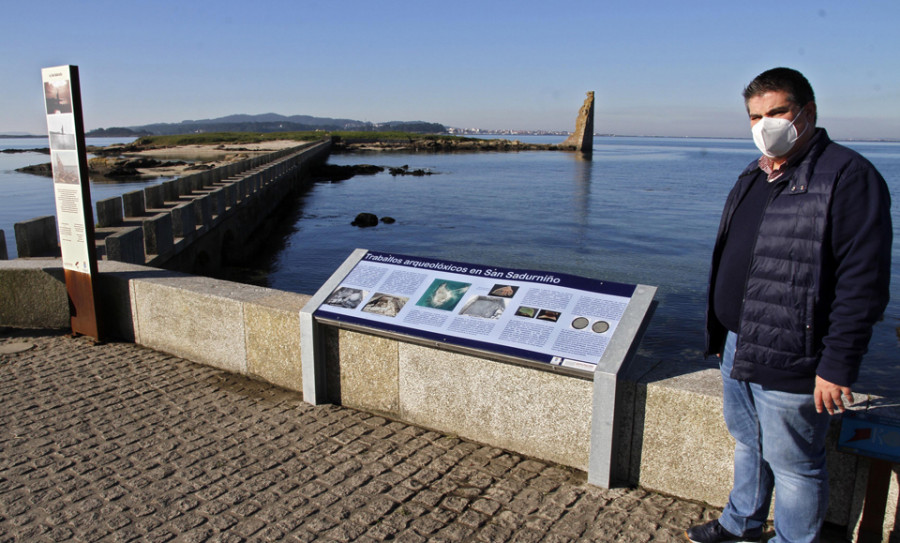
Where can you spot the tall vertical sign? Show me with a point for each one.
(74, 215)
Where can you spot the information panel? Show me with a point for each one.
(552, 318)
(870, 436)
(67, 176)
(71, 186)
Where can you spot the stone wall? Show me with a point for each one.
(187, 223)
(672, 436)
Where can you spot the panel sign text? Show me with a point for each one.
(554, 318)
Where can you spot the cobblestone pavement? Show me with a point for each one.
(120, 443)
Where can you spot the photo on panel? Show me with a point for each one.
(346, 297)
(61, 129)
(385, 304)
(548, 315)
(65, 167)
(58, 96)
(443, 294)
(484, 307)
(525, 311)
(504, 291)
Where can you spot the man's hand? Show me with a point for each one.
(829, 396)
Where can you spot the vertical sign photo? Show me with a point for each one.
(71, 186)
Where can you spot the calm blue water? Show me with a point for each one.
(644, 210)
(25, 196)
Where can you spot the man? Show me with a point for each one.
(799, 276)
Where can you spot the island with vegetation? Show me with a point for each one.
(174, 155)
(342, 141)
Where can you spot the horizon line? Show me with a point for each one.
(508, 132)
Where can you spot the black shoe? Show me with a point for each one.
(712, 532)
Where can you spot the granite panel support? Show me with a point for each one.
(368, 372)
(37, 237)
(272, 328)
(537, 413)
(700, 466)
(186, 317)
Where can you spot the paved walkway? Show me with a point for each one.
(120, 443)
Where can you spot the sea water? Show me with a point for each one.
(642, 210)
(26, 196)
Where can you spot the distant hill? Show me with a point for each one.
(117, 132)
(267, 122)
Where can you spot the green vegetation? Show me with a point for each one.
(394, 136)
(215, 138)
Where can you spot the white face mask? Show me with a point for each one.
(775, 137)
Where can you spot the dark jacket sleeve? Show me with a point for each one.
(861, 238)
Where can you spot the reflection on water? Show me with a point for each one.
(643, 210)
(28, 196)
(637, 213)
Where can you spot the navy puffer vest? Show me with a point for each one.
(790, 286)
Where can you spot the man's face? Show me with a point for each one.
(779, 105)
(772, 104)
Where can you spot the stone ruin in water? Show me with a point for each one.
(583, 137)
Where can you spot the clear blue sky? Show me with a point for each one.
(657, 67)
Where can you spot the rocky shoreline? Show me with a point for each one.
(120, 162)
(439, 144)
(134, 161)
(42, 150)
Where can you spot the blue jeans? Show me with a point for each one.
(781, 445)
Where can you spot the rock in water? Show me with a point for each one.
(364, 220)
